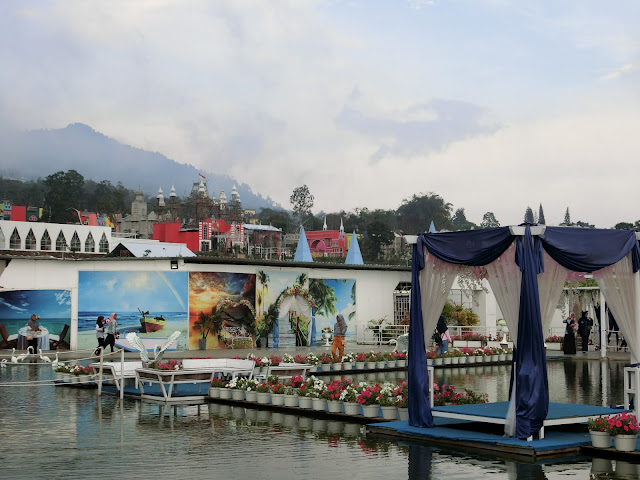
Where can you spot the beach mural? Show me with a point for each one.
(331, 297)
(53, 307)
(221, 310)
(152, 304)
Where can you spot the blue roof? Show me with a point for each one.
(354, 257)
(303, 254)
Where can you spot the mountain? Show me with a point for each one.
(38, 153)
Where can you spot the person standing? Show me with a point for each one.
(100, 334)
(339, 332)
(445, 337)
(569, 345)
(112, 331)
(584, 329)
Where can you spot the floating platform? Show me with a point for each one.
(480, 428)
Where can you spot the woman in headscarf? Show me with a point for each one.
(339, 332)
(445, 337)
(112, 331)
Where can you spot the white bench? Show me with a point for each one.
(168, 380)
(227, 367)
(119, 372)
(285, 371)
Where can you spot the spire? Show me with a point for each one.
(172, 193)
(342, 227)
(303, 254)
(354, 257)
(160, 197)
(324, 226)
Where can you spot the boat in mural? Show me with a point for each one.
(151, 324)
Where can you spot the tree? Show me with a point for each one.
(541, 219)
(324, 296)
(263, 278)
(489, 220)
(63, 194)
(415, 215)
(460, 221)
(567, 219)
(627, 225)
(528, 216)
(379, 234)
(302, 202)
(277, 218)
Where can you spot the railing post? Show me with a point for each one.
(121, 373)
(100, 372)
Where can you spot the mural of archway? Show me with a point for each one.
(298, 299)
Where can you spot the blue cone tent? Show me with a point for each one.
(303, 254)
(354, 257)
(432, 228)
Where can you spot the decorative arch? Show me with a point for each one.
(303, 302)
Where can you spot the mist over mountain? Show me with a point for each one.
(38, 153)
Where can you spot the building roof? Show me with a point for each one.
(268, 228)
(157, 249)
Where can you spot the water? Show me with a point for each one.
(54, 432)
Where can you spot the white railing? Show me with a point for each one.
(380, 335)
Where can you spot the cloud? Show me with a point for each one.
(623, 70)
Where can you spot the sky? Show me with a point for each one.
(494, 105)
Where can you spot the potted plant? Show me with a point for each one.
(216, 385)
(349, 398)
(623, 427)
(388, 401)
(263, 390)
(207, 323)
(599, 432)
(368, 399)
(277, 393)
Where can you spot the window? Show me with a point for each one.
(76, 246)
(328, 242)
(15, 240)
(45, 241)
(61, 243)
(104, 244)
(30, 241)
(90, 244)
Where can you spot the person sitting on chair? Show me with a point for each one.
(34, 326)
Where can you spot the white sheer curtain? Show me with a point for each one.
(436, 280)
(619, 285)
(550, 284)
(505, 279)
(302, 306)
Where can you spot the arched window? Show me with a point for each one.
(15, 240)
(90, 244)
(45, 241)
(61, 243)
(30, 242)
(76, 246)
(104, 244)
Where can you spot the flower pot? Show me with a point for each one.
(237, 394)
(471, 359)
(389, 413)
(495, 358)
(486, 359)
(351, 408)
(337, 367)
(319, 404)
(290, 400)
(59, 376)
(455, 360)
(305, 402)
(429, 362)
(75, 379)
(474, 343)
(225, 393)
(402, 363)
(625, 470)
(601, 466)
(554, 346)
(502, 358)
(381, 364)
(392, 363)
(202, 344)
(370, 411)
(326, 367)
(360, 365)
(600, 439)
(264, 397)
(371, 365)
(348, 365)
(334, 406)
(277, 399)
(251, 396)
(446, 360)
(214, 392)
(509, 357)
(403, 413)
(625, 443)
(438, 361)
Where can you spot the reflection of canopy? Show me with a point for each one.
(527, 282)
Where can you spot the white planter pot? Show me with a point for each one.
(625, 443)
(251, 396)
(455, 360)
(348, 365)
(402, 363)
(304, 402)
(438, 361)
(479, 358)
(214, 392)
(403, 414)
(334, 406)
(291, 400)
(237, 394)
(446, 361)
(370, 411)
(371, 365)
(600, 439)
(502, 358)
(554, 346)
(264, 397)
(391, 363)
(381, 364)
(277, 399)
(360, 365)
(337, 367)
(460, 343)
(351, 408)
(471, 359)
(389, 413)
(319, 404)
(474, 343)
(225, 393)
(495, 358)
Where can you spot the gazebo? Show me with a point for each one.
(526, 267)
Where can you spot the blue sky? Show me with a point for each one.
(44, 303)
(495, 105)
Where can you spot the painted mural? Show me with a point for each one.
(221, 310)
(152, 304)
(331, 297)
(52, 306)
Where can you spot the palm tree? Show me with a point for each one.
(324, 296)
(263, 278)
(302, 279)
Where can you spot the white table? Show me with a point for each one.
(42, 337)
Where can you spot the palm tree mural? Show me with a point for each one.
(353, 300)
(302, 279)
(324, 296)
(263, 278)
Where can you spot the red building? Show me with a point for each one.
(328, 243)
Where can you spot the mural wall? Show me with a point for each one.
(52, 306)
(334, 296)
(152, 304)
(221, 310)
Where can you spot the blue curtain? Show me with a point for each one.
(312, 338)
(418, 374)
(276, 330)
(471, 247)
(532, 389)
(589, 249)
